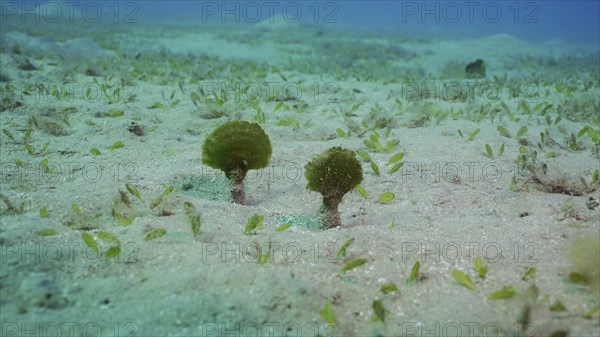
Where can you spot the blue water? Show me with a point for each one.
(572, 21)
(575, 21)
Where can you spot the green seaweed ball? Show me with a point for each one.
(334, 173)
(237, 144)
(234, 148)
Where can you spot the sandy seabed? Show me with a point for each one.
(89, 110)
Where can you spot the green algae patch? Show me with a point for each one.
(303, 221)
(214, 188)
